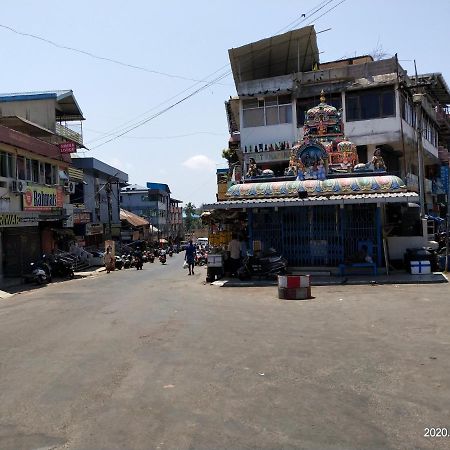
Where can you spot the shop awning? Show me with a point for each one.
(382, 198)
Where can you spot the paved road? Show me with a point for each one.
(158, 360)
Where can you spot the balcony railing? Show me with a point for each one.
(67, 133)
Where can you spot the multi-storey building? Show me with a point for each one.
(96, 213)
(154, 203)
(279, 82)
(34, 175)
(175, 219)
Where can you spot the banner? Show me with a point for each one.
(43, 198)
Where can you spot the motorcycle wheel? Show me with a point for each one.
(40, 280)
(244, 276)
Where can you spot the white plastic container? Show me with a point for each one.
(420, 267)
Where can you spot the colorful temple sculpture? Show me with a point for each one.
(324, 162)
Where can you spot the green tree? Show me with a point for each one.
(189, 211)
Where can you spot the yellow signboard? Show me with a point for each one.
(43, 198)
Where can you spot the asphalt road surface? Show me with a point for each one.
(155, 359)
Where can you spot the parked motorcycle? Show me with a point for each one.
(118, 263)
(162, 257)
(40, 273)
(170, 253)
(127, 261)
(266, 266)
(151, 257)
(200, 258)
(60, 266)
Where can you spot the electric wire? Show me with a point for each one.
(207, 85)
(159, 113)
(102, 58)
(123, 126)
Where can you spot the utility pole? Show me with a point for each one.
(417, 100)
(108, 196)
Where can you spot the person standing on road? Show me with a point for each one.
(234, 247)
(108, 261)
(190, 257)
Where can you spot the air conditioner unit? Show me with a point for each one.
(70, 187)
(18, 186)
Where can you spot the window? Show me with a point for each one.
(6, 165)
(408, 111)
(50, 174)
(21, 171)
(41, 173)
(370, 104)
(303, 104)
(35, 171)
(273, 110)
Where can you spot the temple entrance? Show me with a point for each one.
(317, 235)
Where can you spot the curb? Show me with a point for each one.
(439, 278)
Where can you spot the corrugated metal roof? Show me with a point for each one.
(284, 54)
(390, 197)
(133, 219)
(75, 174)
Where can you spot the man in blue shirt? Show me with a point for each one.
(190, 257)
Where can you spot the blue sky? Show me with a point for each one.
(182, 147)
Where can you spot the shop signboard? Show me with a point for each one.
(43, 198)
(8, 220)
(81, 217)
(94, 228)
(68, 147)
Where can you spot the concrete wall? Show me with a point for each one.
(41, 112)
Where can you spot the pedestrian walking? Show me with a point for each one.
(189, 257)
(109, 261)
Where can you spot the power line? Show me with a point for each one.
(195, 133)
(131, 121)
(303, 18)
(315, 10)
(328, 10)
(154, 116)
(101, 58)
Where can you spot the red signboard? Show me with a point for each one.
(68, 147)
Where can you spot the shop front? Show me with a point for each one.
(20, 242)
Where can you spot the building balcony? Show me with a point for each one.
(69, 134)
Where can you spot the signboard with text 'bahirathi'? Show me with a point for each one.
(43, 198)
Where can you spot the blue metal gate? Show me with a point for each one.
(317, 235)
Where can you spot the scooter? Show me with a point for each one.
(266, 266)
(162, 257)
(170, 253)
(40, 273)
(151, 257)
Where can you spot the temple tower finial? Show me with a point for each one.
(322, 96)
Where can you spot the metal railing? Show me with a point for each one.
(67, 133)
